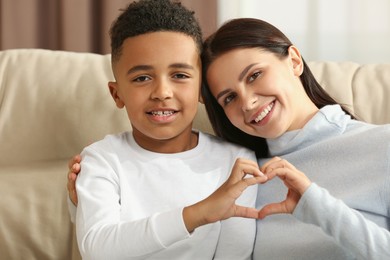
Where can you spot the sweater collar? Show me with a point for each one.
(329, 121)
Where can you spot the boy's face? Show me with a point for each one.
(158, 79)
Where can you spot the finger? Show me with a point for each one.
(277, 163)
(239, 187)
(75, 159)
(268, 163)
(282, 173)
(246, 212)
(241, 169)
(71, 185)
(271, 209)
(255, 180)
(292, 178)
(74, 198)
(74, 170)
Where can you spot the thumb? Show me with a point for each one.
(246, 212)
(271, 209)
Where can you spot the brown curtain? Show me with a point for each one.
(74, 25)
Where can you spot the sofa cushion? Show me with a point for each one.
(35, 223)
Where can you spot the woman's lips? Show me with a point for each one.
(263, 113)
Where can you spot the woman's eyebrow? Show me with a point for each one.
(245, 70)
(223, 92)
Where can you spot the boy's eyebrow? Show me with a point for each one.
(181, 65)
(149, 67)
(138, 68)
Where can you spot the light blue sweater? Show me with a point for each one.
(349, 218)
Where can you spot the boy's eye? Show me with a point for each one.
(141, 79)
(254, 76)
(229, 98)
(180, 76)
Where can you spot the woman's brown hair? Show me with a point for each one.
(250, 33)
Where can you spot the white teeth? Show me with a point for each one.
(264, 113)
(162, 113)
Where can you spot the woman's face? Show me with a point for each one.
(261, 93)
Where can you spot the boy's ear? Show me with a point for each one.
(113, 87)
(296, 60)
(200, 99)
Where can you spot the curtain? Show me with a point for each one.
(336, 30)
(74, 25)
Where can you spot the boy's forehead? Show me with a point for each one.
(170, 38)
(156, 44)
(160, 47)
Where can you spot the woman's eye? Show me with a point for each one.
(254, 76)
(229, 98)
(141, 79)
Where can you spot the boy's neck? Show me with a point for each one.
(181, 143)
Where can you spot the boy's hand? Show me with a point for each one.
(222, 203)
(295, 180)
(74, 169)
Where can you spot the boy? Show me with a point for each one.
(152, 193)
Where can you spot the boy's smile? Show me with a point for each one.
(158, 81)
(162, 115)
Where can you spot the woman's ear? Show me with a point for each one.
(113, 87)
(296, 60)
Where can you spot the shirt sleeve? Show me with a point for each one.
(101, 232)
(237, 235)
(362, 237)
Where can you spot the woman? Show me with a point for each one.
(259, 93)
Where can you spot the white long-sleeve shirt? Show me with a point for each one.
(349, 217)
(131, 201)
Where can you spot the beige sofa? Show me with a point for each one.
(53, 103)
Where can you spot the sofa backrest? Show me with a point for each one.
(53, 103)
(363, 88)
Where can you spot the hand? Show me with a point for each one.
(295, 180)
(74, 169)
(221, 204)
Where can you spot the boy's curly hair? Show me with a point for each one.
(145, 16)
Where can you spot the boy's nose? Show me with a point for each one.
(162, 91)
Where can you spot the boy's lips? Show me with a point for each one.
(162, 112)
(162, 115)
(260, 115)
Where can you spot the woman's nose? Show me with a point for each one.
(248, 103)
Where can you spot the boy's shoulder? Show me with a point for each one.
(110, 142)
(216, 143)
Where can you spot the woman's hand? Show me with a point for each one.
(295, 180)
(74, 169)
(221, 204)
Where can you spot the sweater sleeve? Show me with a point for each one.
(101, 232)
(362, 237)
(237, 237)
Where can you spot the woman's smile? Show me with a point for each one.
(263, 114)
